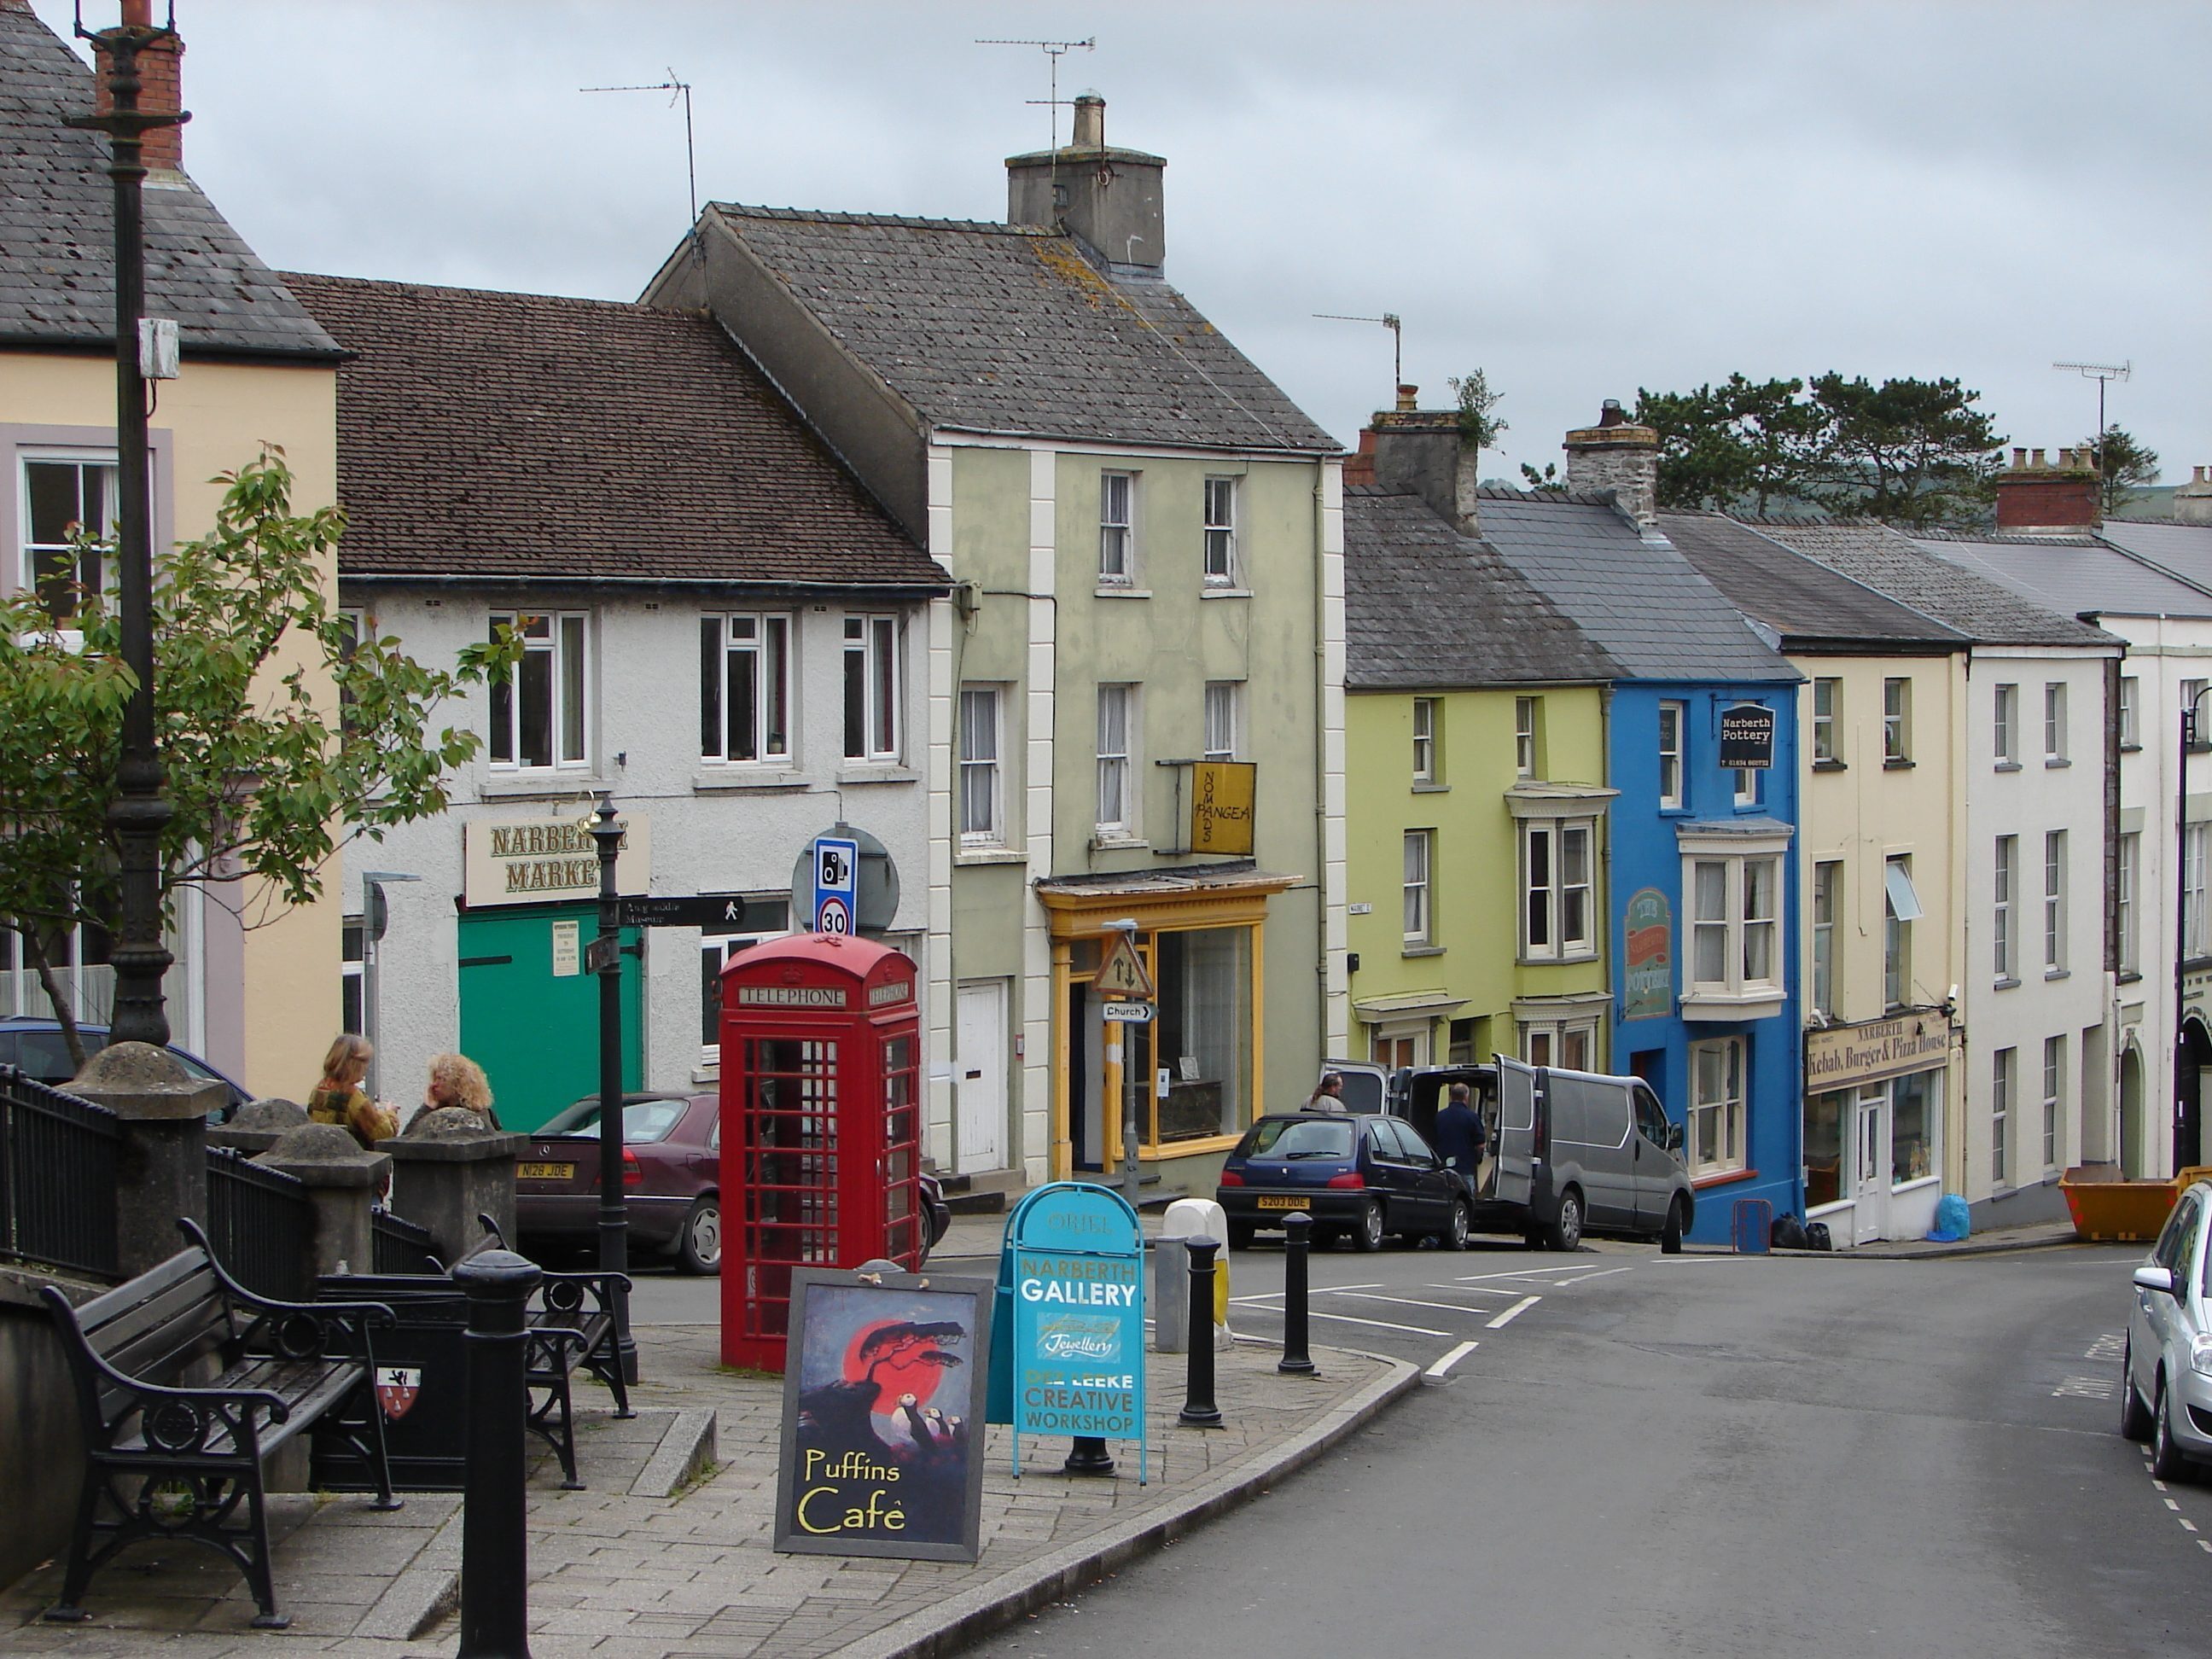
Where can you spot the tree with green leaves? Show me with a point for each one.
(1479, 428)
(2129, 466)
(1746, 444)
(261, 771)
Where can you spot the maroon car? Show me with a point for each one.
(672, 1178)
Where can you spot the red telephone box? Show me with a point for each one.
(821, 1130)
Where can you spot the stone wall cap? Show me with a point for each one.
(325, 1155)
(453, 1134)
(275, 1114)
(139, 1080)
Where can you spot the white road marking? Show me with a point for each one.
(1514, 1312)
(1471, 1290)
(1379, 1324)
(2161, 1484)
(1409, 1302)
(2084, 1387)
(1450, 1359)
(1316, 1289)
(1524, 1273)
(2187, 1523)
(2205, 1544)
(1601, 1274)
(2175, 1507)
(2111, 1346)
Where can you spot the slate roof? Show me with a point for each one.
(1641, 601)
(1987, 612)
(1425, 606)
(1812, 607)
(524, 437)
(1007, 329)
(2076, 576)
(57, 229)
(2183, 549)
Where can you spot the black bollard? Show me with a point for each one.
(1199, 1411)
(1298, 1240)
(1087, 1454)
(495, 1540)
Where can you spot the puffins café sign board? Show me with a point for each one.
(545, 860)
(1844, 1055)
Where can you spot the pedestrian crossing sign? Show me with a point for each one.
(1121, 971)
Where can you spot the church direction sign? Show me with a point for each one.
(1843, 1055)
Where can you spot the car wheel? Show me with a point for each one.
(699, 1246)
(1240, 1235)
(1670, 1236)
(1565, 1233)
(2166, 1463)
(1368, 1235)
(2134, 1416)
(1453, 1237)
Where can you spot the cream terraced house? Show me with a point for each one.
(1146, 540)
(260, 1003)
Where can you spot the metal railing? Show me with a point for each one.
(57, 1156)
(402, 1247)
(262, 1224)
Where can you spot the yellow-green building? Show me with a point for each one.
(1474, 725)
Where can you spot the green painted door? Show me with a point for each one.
(530, 1014)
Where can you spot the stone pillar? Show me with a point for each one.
(257, 1126)
(450, 1167)
(342, 1180)
(161, 1170)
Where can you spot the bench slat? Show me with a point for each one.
(92, 1315)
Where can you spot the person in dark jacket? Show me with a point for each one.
(1461, 1136)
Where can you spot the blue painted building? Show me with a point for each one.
(1702, 882)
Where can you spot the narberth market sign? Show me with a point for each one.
(543, 861)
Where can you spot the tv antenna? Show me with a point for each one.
(676, 89)
(1054, 51)
(1390, 320)
(2103, 374)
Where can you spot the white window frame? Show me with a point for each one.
(1116, 818)
(871, 660)
(2195, 847)
(1734, 926)
(1525, 712)
(2003, 939)
(102, 459)
(771, 748)
(1673, 761)
(724, 945)
(1223, 719)
(1724, 1107)
(2005, 723)
(2131, 711)
(1424, 739)
(1544, 1043)
(1896, 721)
(2054, 902)
(2127, 903)
(1418, 911)
(1827, 905)
(2054, 723)
(1746, 793)
(982, 775)
(1221, 564)
(1827, 693)
(1117, 529)
(2195, 717)
(1547, 895)
(561, 640)
(2054, 1097)
(2002, 1064)
(353, 985)
(1901, 908)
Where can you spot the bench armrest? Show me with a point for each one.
(564, 1292)
(350, 1320)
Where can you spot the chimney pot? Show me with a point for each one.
(1409, 399)
(2061, 499)
(2038, 457)
(2019, 455)
(1610, 413)
(137, 14)
(160, 87)
(1112, 203)
(1090, 122)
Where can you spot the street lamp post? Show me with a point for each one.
(138, 812)
(2184, 1124)
(614, 1211)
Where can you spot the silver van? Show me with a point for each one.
(1575, 1152)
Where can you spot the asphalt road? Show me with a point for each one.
(1696, 1455)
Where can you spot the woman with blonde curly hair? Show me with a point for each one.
(456, 1080)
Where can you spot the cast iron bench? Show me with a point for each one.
(196, 1448)
(572, 1322)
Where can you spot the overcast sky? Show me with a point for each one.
(1580, 199)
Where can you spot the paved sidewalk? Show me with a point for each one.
(648, 1563)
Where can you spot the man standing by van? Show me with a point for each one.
(1462, 1137)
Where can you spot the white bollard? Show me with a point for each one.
(1193, 1218)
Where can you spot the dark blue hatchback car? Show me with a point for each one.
(1358, 1176)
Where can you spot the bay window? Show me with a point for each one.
(1733, 925)
(1556, 912)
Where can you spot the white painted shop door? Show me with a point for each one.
(980, 1083)
(1870, 1212)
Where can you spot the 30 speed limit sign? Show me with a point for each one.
(834, 918)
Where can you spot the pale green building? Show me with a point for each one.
(1135, 704)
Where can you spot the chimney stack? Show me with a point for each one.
(2192, 502)
(2036, 498)
(1417, 452)
(160, 88)
(1110, 200)
(1617, 455)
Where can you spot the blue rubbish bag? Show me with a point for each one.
(1951, 1222)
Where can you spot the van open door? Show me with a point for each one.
(1517, 1088)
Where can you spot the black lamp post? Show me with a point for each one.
(2185, 1120)
(614, 1209)
(138, 813)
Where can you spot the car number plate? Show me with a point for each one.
(1281, 1203)
(545, 1171)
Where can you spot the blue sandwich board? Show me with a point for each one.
(1072, 1291)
